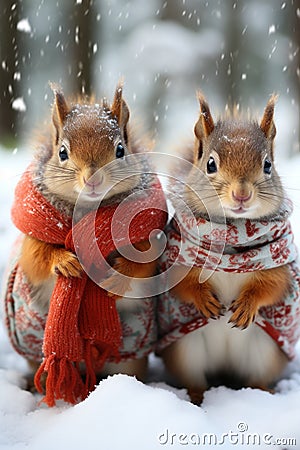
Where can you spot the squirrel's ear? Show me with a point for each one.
(205, 124)
(60, 109)
(267, 123)
(119, 108)
(203, 127)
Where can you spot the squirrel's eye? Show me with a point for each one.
(63, 153)
(211, 166)
(267, 167)
(120, 151)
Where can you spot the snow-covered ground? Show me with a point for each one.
(122, 413)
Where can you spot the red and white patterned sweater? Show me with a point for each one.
(241, 245)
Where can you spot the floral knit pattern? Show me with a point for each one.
(26, 325)
(240, 246)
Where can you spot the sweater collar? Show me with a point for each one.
(236, 245)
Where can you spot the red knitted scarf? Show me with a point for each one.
(82, 320)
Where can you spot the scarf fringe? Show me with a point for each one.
(63, 381)
(90, 375)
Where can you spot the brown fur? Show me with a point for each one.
(40, 261)
(90, 133)
(189, 290)
(265, 288)
(131, 270)
(238, 148)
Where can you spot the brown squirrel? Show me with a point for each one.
(86, 137)
(236, 156)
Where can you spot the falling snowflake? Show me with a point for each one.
(24, 25)
(18, 104)
(272, 29)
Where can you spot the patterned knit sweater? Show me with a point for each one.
(239, 246)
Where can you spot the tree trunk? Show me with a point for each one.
(9, 79)
(82, 25)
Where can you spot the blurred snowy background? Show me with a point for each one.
(234, 51)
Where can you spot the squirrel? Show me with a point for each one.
(84, 138)
(238, 183)
(67, 164)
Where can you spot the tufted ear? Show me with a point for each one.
(203, 127)
(267, 123)
(120, 110)
(60, 110)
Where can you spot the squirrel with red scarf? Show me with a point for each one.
(67, 167)
(233, 182)
(86, 158)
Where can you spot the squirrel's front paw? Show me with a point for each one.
(244, 313)
(116, 285)
(209, 306)
(66, 263)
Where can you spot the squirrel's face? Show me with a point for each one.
(234, 172)
(89, 151)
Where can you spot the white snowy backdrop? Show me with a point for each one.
(233, 51)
